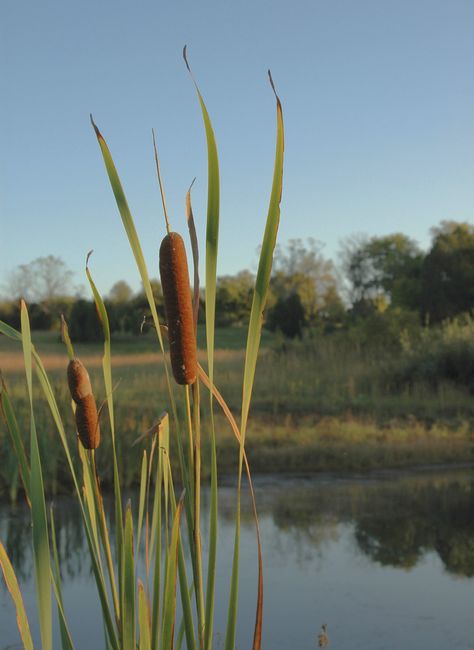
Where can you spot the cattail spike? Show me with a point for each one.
(178, 308)
(87, 422)
(87, 417)
(78, 380)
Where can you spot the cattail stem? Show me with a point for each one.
(66, 338)
(162, 192)
(104, 533)
(197, 502)
(195, 467)
(190, 430)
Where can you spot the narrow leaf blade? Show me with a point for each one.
(143, 625)
(14, 589)
(169, 604)
(38, 506)
(128, 585)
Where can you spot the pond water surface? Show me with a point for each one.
(386, 561)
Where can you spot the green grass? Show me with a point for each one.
(226, 338)
(315, 407)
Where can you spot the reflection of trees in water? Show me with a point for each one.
(308, 542)
(395, 521)
(395, 531)
(405, 523)
(15, 533)
(310, 526)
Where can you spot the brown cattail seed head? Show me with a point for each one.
(87, 422)
(78, 380)
(178, 308)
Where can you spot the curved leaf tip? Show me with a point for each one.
(186, 58)
(96, 128)
(273, 88)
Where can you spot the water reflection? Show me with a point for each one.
(396, 521)
(310, 527)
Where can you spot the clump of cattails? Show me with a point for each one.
(178, 308)
(87, 418)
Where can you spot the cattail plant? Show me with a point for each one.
(140, 610)
(87, 418)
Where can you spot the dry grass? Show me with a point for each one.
(12, 362)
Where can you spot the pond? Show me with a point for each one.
(386, 561)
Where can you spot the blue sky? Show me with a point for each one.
(378, 101)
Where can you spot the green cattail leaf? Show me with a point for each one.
(155, 540)
(15, 593)
(184, 622)
(12, 425)
(66, 338)
(66, 640)
(128, 585)
(107, 372)
(186, 595)
(38, 506)
(130, 229)
(212, 225)
(9, 331)
(141, 500)
(253, 343)
(143, 624)
(264, 272)
(185, 590)
(212, 236)
(51, 399)
(165, 445)
(129, 226)
(89, 499)
(212, 557)
(169, 601)
(195, 250)
(104, 534)
(91, 535)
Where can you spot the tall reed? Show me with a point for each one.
(141, 609)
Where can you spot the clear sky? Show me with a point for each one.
(378, 101)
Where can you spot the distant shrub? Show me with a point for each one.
(445, 353)
(385, 329)
(84, 324)
(287, 316)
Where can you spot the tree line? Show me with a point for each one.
(386, 277)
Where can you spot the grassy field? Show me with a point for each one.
(319, 406)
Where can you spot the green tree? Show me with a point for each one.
(119, 306)
(383, 268)
(448, 272)
(234, 298)
(137, 310)
(42, 280)
(121, 292)
(301, 270)
(84, 323)
(287, 315)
